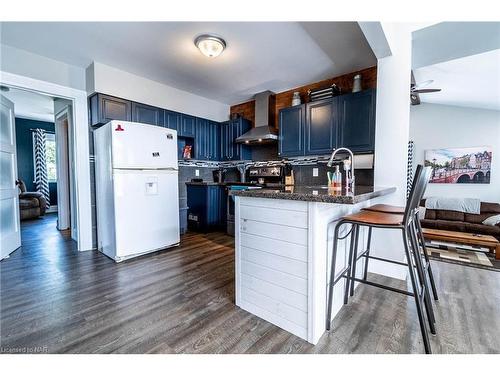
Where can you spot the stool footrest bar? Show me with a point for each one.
(402, 291)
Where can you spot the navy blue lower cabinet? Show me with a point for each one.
(104, 108)
(291, 131)
(207, 207)
(320, 135)
(147, 114)
(357, 121)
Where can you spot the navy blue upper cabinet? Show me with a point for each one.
(226, 137)
(291, 129)
(173, 121)
(206, 141)
(229, 131)
(213, 140)
(357, 121)
(321, 127)
(316, 128)
(188, 126)
(239, 127)
(201, 146)
(104, 108)
(147, 114)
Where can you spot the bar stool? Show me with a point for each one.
(400, 211)
(404, 223)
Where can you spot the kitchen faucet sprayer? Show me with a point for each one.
(348, 167)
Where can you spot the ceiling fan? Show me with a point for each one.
(415, 89)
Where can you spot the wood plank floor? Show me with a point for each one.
(182, 301)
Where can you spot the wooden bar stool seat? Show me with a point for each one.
(375, 218)
(387, 208)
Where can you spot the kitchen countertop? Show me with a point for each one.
(319, 194)
(226, 183)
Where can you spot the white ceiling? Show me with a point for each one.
(259, 56)
(472, 81)
(31, 105)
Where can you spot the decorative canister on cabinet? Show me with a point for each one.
(296, 98)
(356, 85)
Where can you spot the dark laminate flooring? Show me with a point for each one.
(182, 301)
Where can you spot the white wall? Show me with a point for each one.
(391, 136)
(27, 64)
(108, 80)
(435, 126)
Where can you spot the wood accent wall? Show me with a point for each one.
(246, 110)
(284, 99)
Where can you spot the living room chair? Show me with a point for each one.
(32, 205)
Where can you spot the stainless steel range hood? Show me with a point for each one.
(264, 131)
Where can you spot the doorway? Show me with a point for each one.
(44, 168)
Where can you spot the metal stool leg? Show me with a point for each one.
(354, 260)
(350, 263)
(426, 256)
(368, 247)
(332, 277)
(423, 279)
(418, 304)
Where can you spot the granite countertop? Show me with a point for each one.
(319, 194)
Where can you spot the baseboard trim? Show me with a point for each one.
(52, 209)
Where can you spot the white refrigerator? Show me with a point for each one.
(137, 191)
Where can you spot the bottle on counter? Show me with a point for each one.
(337, 179)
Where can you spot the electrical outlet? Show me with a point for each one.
(315, 172)
(197, 172)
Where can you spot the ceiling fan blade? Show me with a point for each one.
(414, 99)
(423, 91)
(424, 83)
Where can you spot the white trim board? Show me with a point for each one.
(80, 141)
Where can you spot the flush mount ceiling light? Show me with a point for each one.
(210, 45)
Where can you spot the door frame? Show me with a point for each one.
(80, 135)
(65, 171)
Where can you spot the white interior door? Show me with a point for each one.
(10, 234)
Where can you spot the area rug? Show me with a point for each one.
(471, 256)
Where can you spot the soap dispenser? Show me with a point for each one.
(337, 179)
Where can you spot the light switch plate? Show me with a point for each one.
(315, 172)
(197, 172)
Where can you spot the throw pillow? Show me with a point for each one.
(492, 220)
(421, 212)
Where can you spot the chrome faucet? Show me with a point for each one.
(349, 178)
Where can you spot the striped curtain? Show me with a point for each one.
(409, 168)
(41, 180)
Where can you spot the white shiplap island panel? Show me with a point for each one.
(283, 252)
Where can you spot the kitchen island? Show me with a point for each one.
(283, 241)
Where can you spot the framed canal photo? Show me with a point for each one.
(471, 165)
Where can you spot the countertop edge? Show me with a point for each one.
(340, 199)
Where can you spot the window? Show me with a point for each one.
(50, 156)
